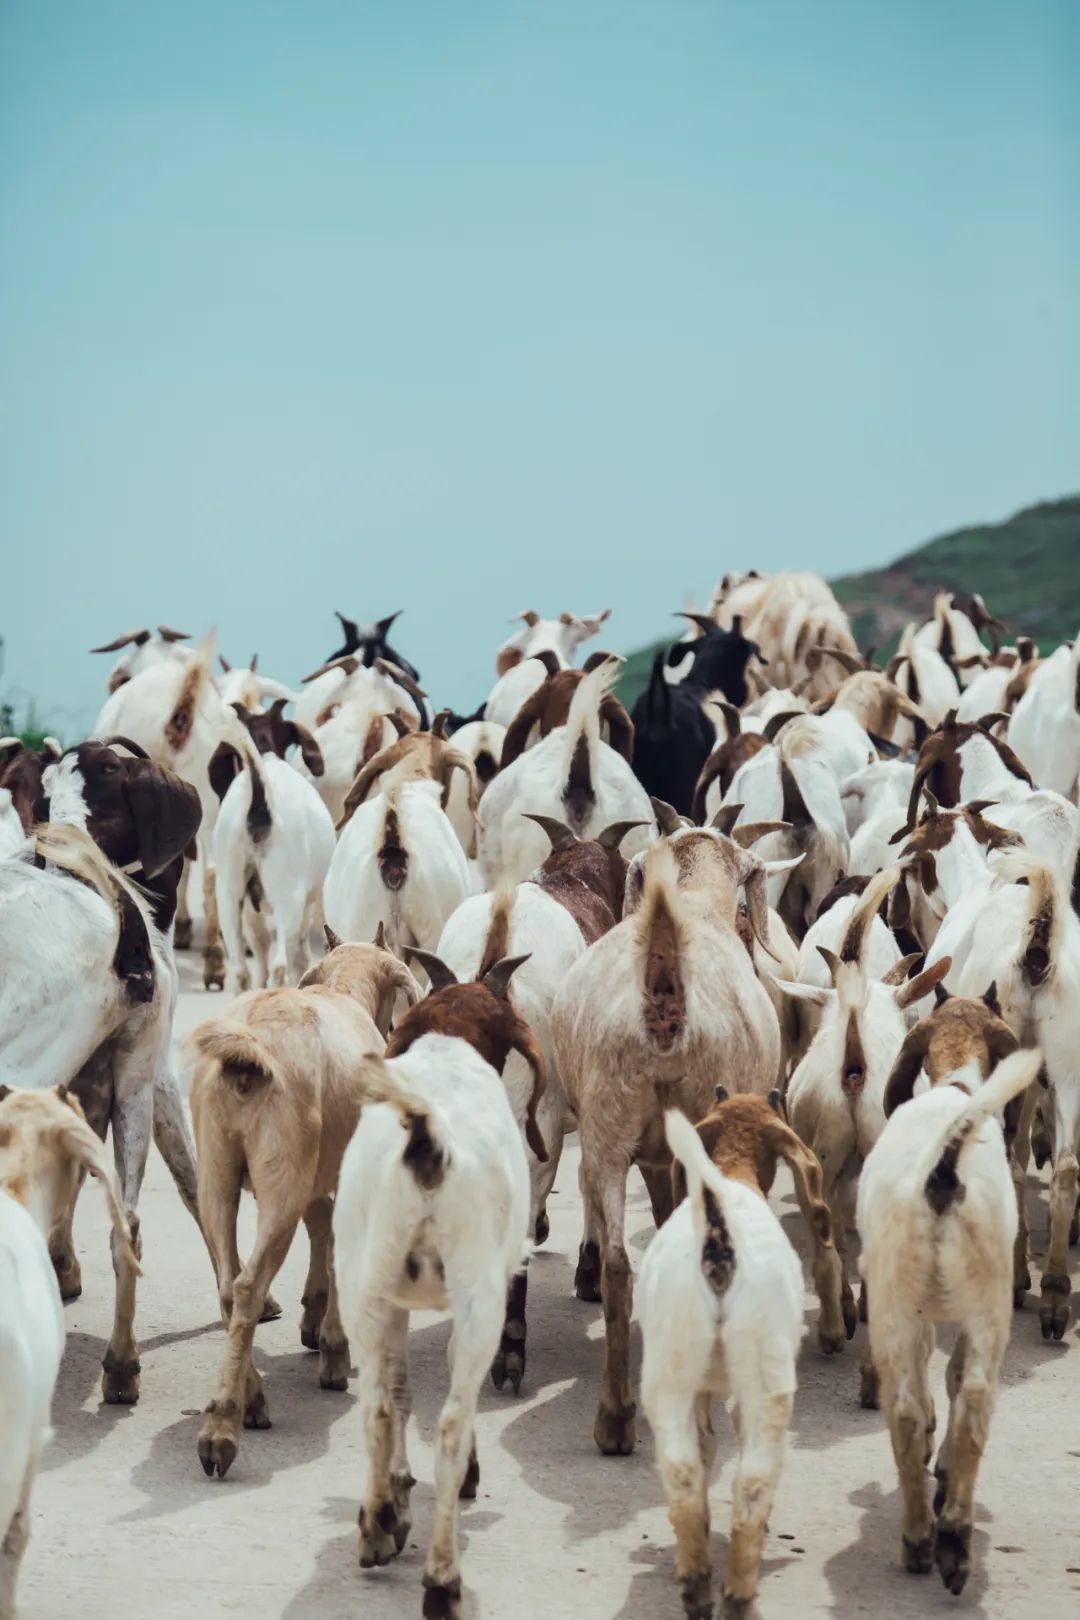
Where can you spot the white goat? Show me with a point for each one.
(431, 1214)
(1045, 726)
(937, 1218)
(569, 776)
(272, 849)
(519, 669)
(721, 1310)
(399, 862)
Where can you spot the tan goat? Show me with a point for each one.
(275, 1099)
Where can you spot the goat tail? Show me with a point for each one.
(1013, 1075)
(244, 1060)
(196, 679)
(662, 939)
(426, 1155)
(582, 741)
(1042, 935)
(392, 856)
(497, 939)
(703, 1184)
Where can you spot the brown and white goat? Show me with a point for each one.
(275, 1098)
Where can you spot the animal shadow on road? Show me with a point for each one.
(870, 1563)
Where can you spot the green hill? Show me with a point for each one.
(1027, 569)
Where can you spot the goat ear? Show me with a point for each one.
(751, 831)
(906, 1069)
(806, 1172)
(333, 940)
(831, 960)
(310, 751)
(165, 811)
(497, 979)
(921, 985)
(438, 725)
(436, 969)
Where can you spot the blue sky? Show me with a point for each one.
(472, 307)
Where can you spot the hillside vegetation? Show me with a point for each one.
(1027, 568)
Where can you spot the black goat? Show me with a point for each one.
(673, 736)
(369, 642)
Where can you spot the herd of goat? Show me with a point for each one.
(793, 907)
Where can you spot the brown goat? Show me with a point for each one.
(586, 876)
(549, 707)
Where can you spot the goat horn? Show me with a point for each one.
(612, 836)
(167, 634)
(497, 979)
(383, 625)
(560, 835)
(668, 818)
(118, 741)
(438, 725)
(442, 977)
(726, 817)
(987, 722)
(702, 620)
(333, 940)
(224, 662)
(530, 617)
(347, 663)
(396, 674)
(139, 637)
(380, 936)
(398, 722)
(751, 831)
(254, 665)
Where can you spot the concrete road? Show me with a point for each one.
(125, 1525)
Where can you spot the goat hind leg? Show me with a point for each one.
(132, 1125)
(969, 1424)
(764, 1420)
(1056, 1287)
(899, 1357)
(684, 1468)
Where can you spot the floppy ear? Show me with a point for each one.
(80, 1143)
(224, 766)
(806, 1172)
(165, 810)
(906, 1069)
(524, 1041)
(310, 751)
(803, 992)
(900, 970)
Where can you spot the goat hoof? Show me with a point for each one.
(271, 1310)
(869, 1391)
(542, 1229)
(919, 1555)
(952, 1553)
(471, 1482)
(257, 1413)
(334, 1364)
(509, 1364)
(737, 1608)
(615, 1432)
(441, 1602)
(214, 968)
(831, 1337)
(120, 1382)
(217, 1453)
(182, 933)
(377, 1545)
(587, 1275)
(1054, 1306)
(696, 1593)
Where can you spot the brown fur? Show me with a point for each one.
(549, 707)
(181, 721)
(722, 765)
(938, 764)
(492, 1027)
(957, 1032)
(420, 756)
(588, 881)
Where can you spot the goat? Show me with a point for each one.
(998, 688)
(1045, 726)
(275, 1097)
(572, 777)
(45, 1148)
(248, 688)
(479, 740)
(352, 712)
(21, 770)
(419, 756)
(399, 862)
(272, 848)
(926, 679)
(673, 735)
(937, 1218)
(960, 761)
(835, 1099)
(721, 1309)
(175, 714)
(652, 1012)
(549, 706)
(147, 650)
(724, 763)
(1025, 939)
(431, 1214)
(954, 632)
(521, 664)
